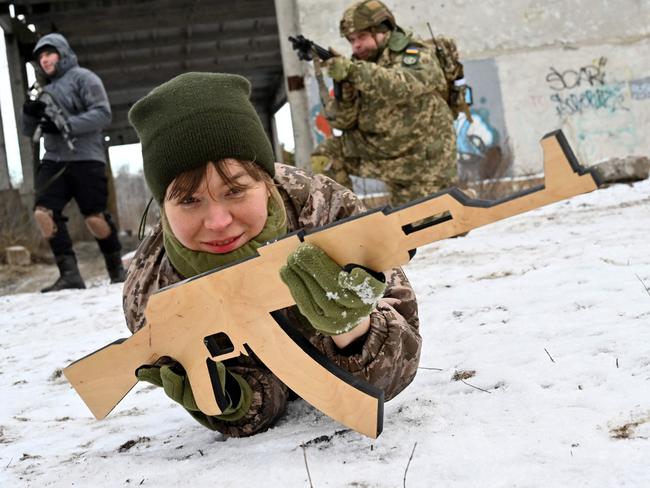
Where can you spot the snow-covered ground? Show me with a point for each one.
(543, 319)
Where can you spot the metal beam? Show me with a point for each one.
(115, 78)
(109, 19)
(156, 55)
(151, 38)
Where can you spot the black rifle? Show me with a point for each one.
(53, 112)
(305, 49)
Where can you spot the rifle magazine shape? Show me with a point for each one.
(236, 309)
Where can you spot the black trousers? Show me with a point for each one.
(86, 182)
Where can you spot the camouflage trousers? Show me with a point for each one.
(407, 177)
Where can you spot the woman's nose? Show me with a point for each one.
(218, 216)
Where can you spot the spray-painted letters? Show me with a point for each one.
(588, 75)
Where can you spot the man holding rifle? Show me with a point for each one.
(395, 123)
(74, 164)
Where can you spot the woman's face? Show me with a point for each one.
(216, 218)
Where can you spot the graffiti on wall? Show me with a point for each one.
(589, 75)
(482, 144)
(610, 98)
(597, 106)
(580, 90)
(474, 139)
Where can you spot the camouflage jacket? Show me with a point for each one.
(394, 106)
(387, 357)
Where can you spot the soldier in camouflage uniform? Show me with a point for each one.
(395, 123)
(384, 353)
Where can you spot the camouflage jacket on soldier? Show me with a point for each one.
(388, 356)
(395, 106)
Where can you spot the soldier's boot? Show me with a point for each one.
(114, 267)
(69, 278)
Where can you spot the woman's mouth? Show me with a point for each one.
(221, 246)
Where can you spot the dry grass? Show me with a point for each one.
(17, 227)
(463, 375)
(626, 431)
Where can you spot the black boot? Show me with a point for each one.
(70, 277)
(114, 267)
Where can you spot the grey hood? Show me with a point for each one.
(68, 59)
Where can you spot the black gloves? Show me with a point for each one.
(34, 108)
(49, 127)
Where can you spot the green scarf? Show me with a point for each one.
(190, 263)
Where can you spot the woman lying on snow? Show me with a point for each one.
(210, 167)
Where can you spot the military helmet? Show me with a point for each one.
(365, 15)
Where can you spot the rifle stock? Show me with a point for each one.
(241, 301)
(105, 376)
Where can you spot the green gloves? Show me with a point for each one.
(172, 378)
(338, 67)
(333, 300)
(319, 163)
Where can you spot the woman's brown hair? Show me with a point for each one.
(187, 183)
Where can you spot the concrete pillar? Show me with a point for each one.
(18, 83)
(5, 181)
(294, 78)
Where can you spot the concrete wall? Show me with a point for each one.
(535, 66)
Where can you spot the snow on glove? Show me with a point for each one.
(172, 378)
(332, 299)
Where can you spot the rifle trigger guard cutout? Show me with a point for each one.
(218, 344)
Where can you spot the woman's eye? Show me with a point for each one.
(235, 192)
(188, 201)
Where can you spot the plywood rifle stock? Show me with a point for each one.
(233, 310)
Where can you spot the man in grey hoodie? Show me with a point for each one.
(66, 173)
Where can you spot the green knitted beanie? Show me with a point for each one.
(195, 118)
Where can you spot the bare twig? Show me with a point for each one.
(409, 463)
(647, 288)
(468, 384)
(617, 362)
(430, 369)
(304, 455)
(9, 463)
(549, 355)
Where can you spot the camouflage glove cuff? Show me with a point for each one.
(332, 299)
(338, 68)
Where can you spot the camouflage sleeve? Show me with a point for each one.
(343, 114)
(389, 355)
(314, 200)
(398, 80)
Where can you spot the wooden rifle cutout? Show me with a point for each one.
(233, 310)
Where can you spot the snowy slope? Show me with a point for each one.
(545, 317)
